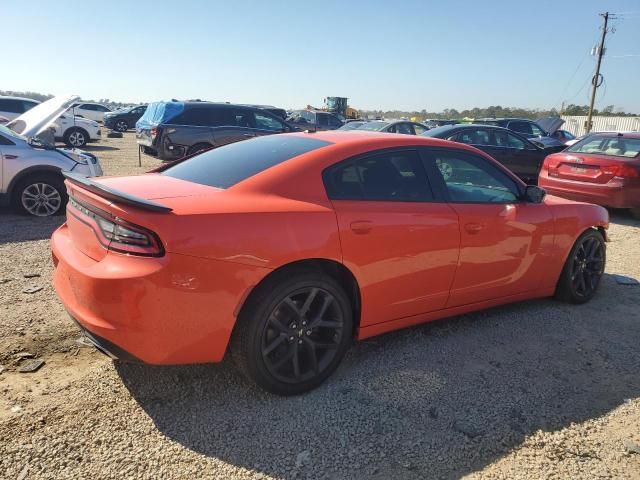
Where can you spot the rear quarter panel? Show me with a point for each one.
(571, 220)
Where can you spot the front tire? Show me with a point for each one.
(583, 269)
(76, 137)
(121, 126)
(41, 195)
(293, 332)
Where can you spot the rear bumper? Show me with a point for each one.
(614, 194)
(110, 349)
(169, 310)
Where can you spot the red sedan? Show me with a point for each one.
(602, 168)
(283, 249)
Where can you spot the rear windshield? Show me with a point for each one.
(437, 131)
(225, 166)
(373, 126)
(605, 145)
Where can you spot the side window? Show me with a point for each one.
(508, 140)
(389, 176)
(471, 179)
(101, 108)
(476, 136)
(10, 105)
(266, 122)
(5, 141)
(404, 128)
(244, 118)
(193, 116)
(323, 119)
(334, 121)
(419, 129)
(27, 105)
(536, 130)
(308, 116)
(521, 127)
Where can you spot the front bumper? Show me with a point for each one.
(169, 310)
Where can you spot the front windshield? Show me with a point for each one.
(373, 126)
(606, 145)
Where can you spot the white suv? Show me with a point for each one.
(92, 111)
(12, 107)
(31, 166)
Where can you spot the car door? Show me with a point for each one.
(233, 124)
(401, 245)
(267, 124)
(517, 154)
(505, 243)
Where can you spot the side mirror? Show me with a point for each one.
(534, 194)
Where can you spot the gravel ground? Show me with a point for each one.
(533, 390)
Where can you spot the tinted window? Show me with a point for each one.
(475, 136)
(323, 119)
(521, 127)
(419, 129)
(244, 118)
(389, 176)
(508, 140)
(11, 105)
(193, 116)
(334, 121)
(404, 128)
(266, 122)
(439, 132)
(87, 106)
(471, 179)
(225, 166)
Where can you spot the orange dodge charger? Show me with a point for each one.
(285, 248)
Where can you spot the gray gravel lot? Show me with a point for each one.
(532, 390)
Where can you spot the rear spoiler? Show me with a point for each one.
(113, 194)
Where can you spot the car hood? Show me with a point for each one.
(35, 120)
(550, 124)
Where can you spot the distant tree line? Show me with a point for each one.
(496, 112)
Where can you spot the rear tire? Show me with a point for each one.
(41, 195)
(121, 126)
(583, 269)
(293, 331)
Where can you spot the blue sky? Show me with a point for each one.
(381, 54)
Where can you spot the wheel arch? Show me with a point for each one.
(69, 130)
(334, 269)
(35, 170)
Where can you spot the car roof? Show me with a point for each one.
(10, 97)
(615, 134)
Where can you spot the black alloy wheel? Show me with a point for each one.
(583, 269)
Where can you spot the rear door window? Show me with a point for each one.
(397, 176)
(225, 166)
(195, 116)
(475, 136)
(323, 119)
(11, 106)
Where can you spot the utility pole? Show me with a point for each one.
(596, 81)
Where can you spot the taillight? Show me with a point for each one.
(154, 133)
(626, 171)
(551, 165)
(117, 234)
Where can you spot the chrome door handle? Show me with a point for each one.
(474, 228)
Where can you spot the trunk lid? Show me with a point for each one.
(149, 201)
(584, 167)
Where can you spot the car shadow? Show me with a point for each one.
(23, 228)
(436, 401)
(623, 217)
(89, 147)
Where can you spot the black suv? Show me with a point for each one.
(527, 128)
(171, 130)
(124, 119)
